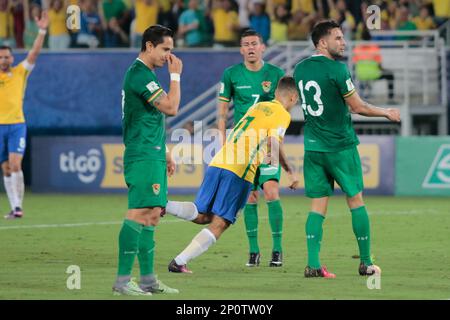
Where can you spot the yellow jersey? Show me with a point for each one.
(222, 21)
(12, 90)
(6, 24)
(57, 22)
(246, 145)
(146, 15)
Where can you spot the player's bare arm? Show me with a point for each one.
(170, 102)
(293, 177)
(42, 24)
(171, 166)
(222, 111)
(359, 106)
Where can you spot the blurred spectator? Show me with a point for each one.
(354, 6)
(114, 15)
(441, 10)
(58, 38)
(392, 15)
(6, 24)
(31, 11)
(244, 13)
(322, 9)
(19, 26)
(271, 6)
(299, 26)
(307, 6)
(412, 5)
(340, 14)
(367, 59)
(226, 24)
(424, 21)
(279, 27)
(91, 25)
(166, 15)
(189, 26)
(404, 23)
(259, 20)
(146, 12)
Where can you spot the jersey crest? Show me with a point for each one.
(266, 85)
(156, 187)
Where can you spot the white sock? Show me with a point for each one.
(10, 191)
(184, 210)
(201, 242)
(19, 187)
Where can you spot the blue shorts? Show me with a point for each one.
(13, 139)
(222, 193)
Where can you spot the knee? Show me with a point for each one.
(355, 201)
(218, 227)
(271, 192)
(202, 219)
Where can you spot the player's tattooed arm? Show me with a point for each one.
(359, 106)
(157, 101)
(164, 103)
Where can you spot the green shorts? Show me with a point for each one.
(264, 173)
(147, 183)
(322, 169)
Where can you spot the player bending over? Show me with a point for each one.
(227, 184)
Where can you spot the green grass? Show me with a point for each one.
(410, 241)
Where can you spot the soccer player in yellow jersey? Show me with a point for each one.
(12, 121)
(230, 175)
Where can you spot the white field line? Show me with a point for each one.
(103, 223)
(71, 225)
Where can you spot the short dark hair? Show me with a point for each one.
(155, 34)
(287, 83)
(250, 32)
(322, 29)
(6, 48)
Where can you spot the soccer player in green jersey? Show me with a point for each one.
(246, 84)
(328, 97)
(146, 162)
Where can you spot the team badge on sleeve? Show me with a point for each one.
(266, 85)
(350, 85)
(152, 86)
(156, 188)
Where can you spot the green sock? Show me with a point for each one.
(251, 225)
(128, 246)
(146, 250)
(314, 234)
(361, 229)
(276, 223)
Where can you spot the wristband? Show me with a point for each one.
(175, 77)
(43, 31)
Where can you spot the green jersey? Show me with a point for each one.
(247, 87)
(143, 124)
(323, 84)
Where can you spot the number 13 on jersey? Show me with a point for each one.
(318, 92)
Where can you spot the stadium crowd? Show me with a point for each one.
(203, 23)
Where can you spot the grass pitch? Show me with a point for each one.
(410, 242)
